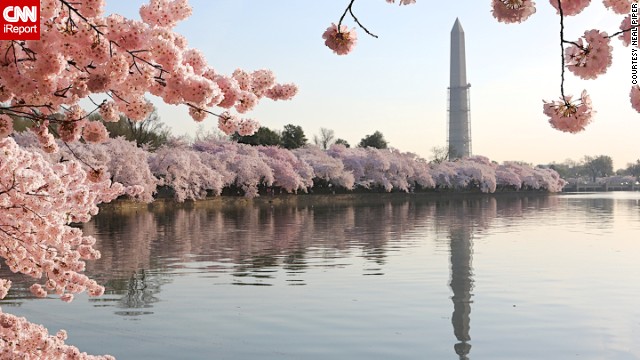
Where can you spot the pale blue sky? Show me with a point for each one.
(397, 84)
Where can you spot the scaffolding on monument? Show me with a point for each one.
(467, 110)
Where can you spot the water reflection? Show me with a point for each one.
(292, 249)
(463, 218)
(266, 245)
(462, 286)
(253, 243)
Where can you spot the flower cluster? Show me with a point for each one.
(592, 59)
(228, 124)
(95, 132)
(512, 11)
(6, 125)
(570, 7)
(83, 53)
(568, 116)
(22, 339)
(621, 7)
(625, 26)
(38, 201)
(342, 40)
(634, 96)
(402, 2)
(165, 13)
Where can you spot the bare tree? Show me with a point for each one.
(439, 154)
(325, 139)
(150, 132)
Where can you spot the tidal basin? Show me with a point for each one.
(528, 276)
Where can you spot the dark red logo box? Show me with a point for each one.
(19, 19)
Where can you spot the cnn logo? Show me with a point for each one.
(20, 20)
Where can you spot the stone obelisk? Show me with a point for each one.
(459, 126)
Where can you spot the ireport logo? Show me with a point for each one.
(19, 19)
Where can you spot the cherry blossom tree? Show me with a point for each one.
(182, 170)
(247, 168)
(326, 168)
(82, 55)
(121, 160)
(388, 169)
(289, 172)
(38, 201)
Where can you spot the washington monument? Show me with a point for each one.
(459, 127)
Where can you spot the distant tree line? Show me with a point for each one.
(593, 167)
(151, 133)
(293, 137)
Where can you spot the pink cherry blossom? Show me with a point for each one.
(36, 239)
(568, 116)
(281, 91)
(228, 123)
(246, 102)
(165, 13)
(512, 11)
(25, 340)
(326, 167)
(182, 170)
(570, 7)
(95, 132)
(38, 291)
(109, 112)
(621, 7)
(198, 114)
(261, 80)
(625, 36)
(340, 41)
(247, 127)
(592, 59)
(290, 173)
(402, 2)
(6, 125)
(634, 96)
(5, 285)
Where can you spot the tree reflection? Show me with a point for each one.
(255, 244)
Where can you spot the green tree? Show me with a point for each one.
(568, 169)
(632, 169)
(342, 142)
(598, 166)
(264, 136)
(293, 137)
(375, 140)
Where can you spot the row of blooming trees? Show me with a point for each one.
(212, 166)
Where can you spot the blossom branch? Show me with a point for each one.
(562, 42)
(622, 31)
(349, 10)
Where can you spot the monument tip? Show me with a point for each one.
(457, 27)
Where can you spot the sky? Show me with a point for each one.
(397, 83)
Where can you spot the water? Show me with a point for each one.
(391, 277)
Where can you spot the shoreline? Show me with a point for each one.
(227, 202)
